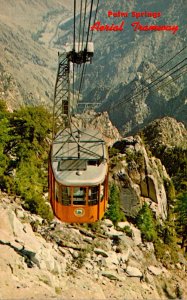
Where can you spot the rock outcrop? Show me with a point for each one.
(69, 262)
(166, 132)
(141, 178)
(99, 121)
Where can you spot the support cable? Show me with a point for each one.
(168, 71)
(74, 25)
(171, 80)
(80, 26)
(84, 21)
(73, 83)
(90, 16)
(81, 81)
(162, 66)
(148, 87)
(95, 18)
(159, 68)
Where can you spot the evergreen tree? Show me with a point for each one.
(181, 211)
(30, 127)
(4, 138)
(145, 223)
(114, 212)
(24, 154)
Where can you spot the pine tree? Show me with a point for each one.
(114, 212)
(145, 223)
(181, 212)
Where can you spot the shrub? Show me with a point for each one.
(37, 205)
(146, 224)
(167, 254)
(170, 190)
(114, 212)
(24, 155)
(175, 161)
(113, 152)
(166, 232)
(95, 227)
(137, 157)
(30, 127)
(128, 231)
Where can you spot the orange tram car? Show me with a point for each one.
(78, 175)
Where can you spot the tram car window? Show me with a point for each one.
(56, 191)
(102, 189)
(66, 196)
(79, 196)
(93, 195)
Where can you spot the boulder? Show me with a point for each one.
(101, 261)
(133, 272)
(20, 213)
(179, 266)
(152, 186)
(114, 233)
(142, 176)
(88, 240)
(112, 259)
(130, 199)
(88, 265)
(111, 275)
(123, 257)
(100, 252)
(150, 246)
(136, 235)
(154, 270)
(108, 223)
(125, 143)
(74, 253)
(135, 262)
(121, 225)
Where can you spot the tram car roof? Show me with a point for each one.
(79, 157)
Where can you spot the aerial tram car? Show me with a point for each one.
(78, 162)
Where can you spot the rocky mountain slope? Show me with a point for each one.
(167, 140)
(99, 261)
(99, 121)
(28, 64)
(70, 262)
(166, 131)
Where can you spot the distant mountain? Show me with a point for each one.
(28, 63)
(124, 61)
(34, 31)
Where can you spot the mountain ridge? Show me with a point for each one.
(36, 31)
